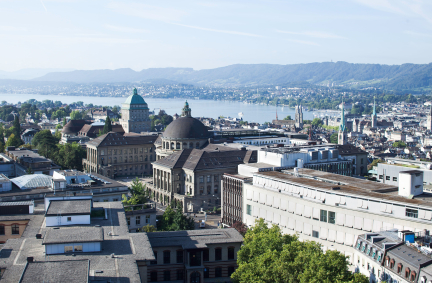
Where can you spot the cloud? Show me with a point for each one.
(314, 34)
(217, 30)
(125, 29)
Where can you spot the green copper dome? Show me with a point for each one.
(135, 101)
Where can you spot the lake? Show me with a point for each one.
(200, 108)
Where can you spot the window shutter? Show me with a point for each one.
(323, 233)
(349, 220)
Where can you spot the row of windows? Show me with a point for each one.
(208, 178)
(125, 151)
(180, 274)
(14, 229)
(197, 256)
(138, 220)
(215, 190)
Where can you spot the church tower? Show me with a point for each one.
(186, 111)
(429, 119)
(299, 116)
(135, 114)
(342, 136)
(374, 116)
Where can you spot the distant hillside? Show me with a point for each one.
(406, 76)
(28, 74)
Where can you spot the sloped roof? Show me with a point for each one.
(116, 139)
(32, 181)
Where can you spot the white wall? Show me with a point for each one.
(59, 248)
(62, 220)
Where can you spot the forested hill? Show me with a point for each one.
(406, 76)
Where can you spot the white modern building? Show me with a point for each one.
(332, 209)
(73, 240)
(68, 212)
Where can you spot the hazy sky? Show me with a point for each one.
(104, 34)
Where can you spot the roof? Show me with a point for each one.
(69, 207)
(186, 128)
(77, 234)
(192, 239)
(409, 255)
(348, 149)
(135, 99)
(202, 159)
(74, 126)
(93, 130)
(67, 271)
(116, 139)
(33, 181)
(13, 203)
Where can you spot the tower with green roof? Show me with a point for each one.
(135, 114)
(342, 135)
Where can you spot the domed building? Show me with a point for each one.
(185, 132)
(135, 114)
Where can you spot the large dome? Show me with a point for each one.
(186, 128)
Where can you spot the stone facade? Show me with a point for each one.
(135, 114)
(114, 155)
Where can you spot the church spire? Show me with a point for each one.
(342, 127)
(374, 111)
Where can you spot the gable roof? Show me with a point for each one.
(116, 139)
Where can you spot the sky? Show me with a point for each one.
(203, 34)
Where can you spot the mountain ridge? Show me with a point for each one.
(405, 76)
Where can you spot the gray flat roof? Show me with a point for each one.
(69, 207)
(68, 271)
(192, 239)
(73, 235)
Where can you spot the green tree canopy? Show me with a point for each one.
(288, 117)
(334, 138)
(175, 220)
(13, 141)
(108, 126)
(269, 256)
(138, 194)
(399, 144)
(317, 122)
(17, 127)
(76, 115)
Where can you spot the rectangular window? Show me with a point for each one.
(154, 261)
(388, 178)
(138, 220)
(167, 275)
(201, 179)
(323, 215)
(15, 229)
(68, 249)
(128, 220)
(167, 257)
(147, 219)
(208, 178)
(153, 276)
(206, 272)
(248, 209)
(231, 270)
(180, 274)
(195, 258)
(78, 248)
(205, 255)
(218, 254)
(411, 213)
(231, 253)
(2, 230)
(69, 219)
(218, 272)
(331, 217)
(315, 234)
(380, 177)
(394, 179)
(179, 256)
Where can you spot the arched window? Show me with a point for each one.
(407, 272)
(208, 190)
(191, 145)
(413, 276)
(177, 145)
(197, 145)
(399, 267)
(184, 145)
(172, 145)
(231, 253)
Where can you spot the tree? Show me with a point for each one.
(138, 193)
(334, 138)
(240, 227)
(69, 156)
(64, 121)
(175, 220)
(269, 256)
(107, 127)
(13, 141)
(288, 117)
(17, 127)
(148, 228)
(317, 122)
(399, 144)
(76, 115)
